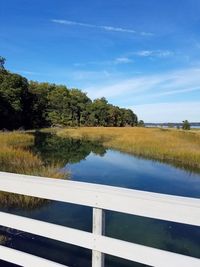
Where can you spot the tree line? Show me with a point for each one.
(31, 104)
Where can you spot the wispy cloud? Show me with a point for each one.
(84, 75)
(116, 29)
(153, 53)
(115, 61)
(73, 23)
(122, 87)
(123, 60)
(147, 33)
(105, 28)
(150, 86)
(27, 72)
(180, 91)
(168, 112)
(129, 57)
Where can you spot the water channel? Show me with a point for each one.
(89, 161)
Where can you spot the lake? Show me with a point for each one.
(89, 161)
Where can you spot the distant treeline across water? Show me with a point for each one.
(195, 125)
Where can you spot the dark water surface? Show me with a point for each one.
(90, 162)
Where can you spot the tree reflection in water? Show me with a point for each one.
(54, 149)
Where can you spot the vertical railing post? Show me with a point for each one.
(98, 229)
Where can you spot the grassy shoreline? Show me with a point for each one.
(180, 148)
(177, 147)
(17, 158)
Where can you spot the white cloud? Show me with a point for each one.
(122, 60)
(144, 53)
(116, 29)
(116, 61)
(164, 53)
(69, 22)
(89, 75)
(106, 28)
(150, 86)
(128, 58)
(187, 90)
(120, 88)
(147, 33)
(155, 88)
(168, 112)
(27, 72)
(153, 53)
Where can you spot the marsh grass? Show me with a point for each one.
(178, 147)
(16, 139)
(15, 157)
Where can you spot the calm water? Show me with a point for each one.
(90, 162)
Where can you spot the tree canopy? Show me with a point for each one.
(2, 62)
(186, 125)
(31, 104)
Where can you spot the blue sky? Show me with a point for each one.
(139, 54)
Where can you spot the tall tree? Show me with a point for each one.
(79, 102)
(36, 105)
(59, 106)
(186, 125)
(2, 62)
(141, 123)
(39, 106)
(13, 95)
(99, 112)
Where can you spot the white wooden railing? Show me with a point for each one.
(99, 197)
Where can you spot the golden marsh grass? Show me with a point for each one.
(15, 157)
(16, 139)
(181, 148)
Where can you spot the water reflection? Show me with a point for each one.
(53, 149)
(120, 169)
(89, 161)
(164, 235)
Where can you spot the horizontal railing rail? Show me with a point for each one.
(99, 197)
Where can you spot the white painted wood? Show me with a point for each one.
(49, 230)
(146, 255)
(97, 242)
(159, 206)
(25, 259)
(98, 229)
(98, 221)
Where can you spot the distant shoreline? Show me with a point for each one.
(172, 124)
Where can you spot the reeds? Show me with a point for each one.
(15, 157)
(16, 139)
(181, 148)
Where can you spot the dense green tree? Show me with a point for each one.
(99, 112)
(13, 100)
(2, 62)
(128, 118)
(40, 103)
(58, 112)
(141, 123)
(114, 116)
(79, 106)
(186, 125)
(36, 105)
